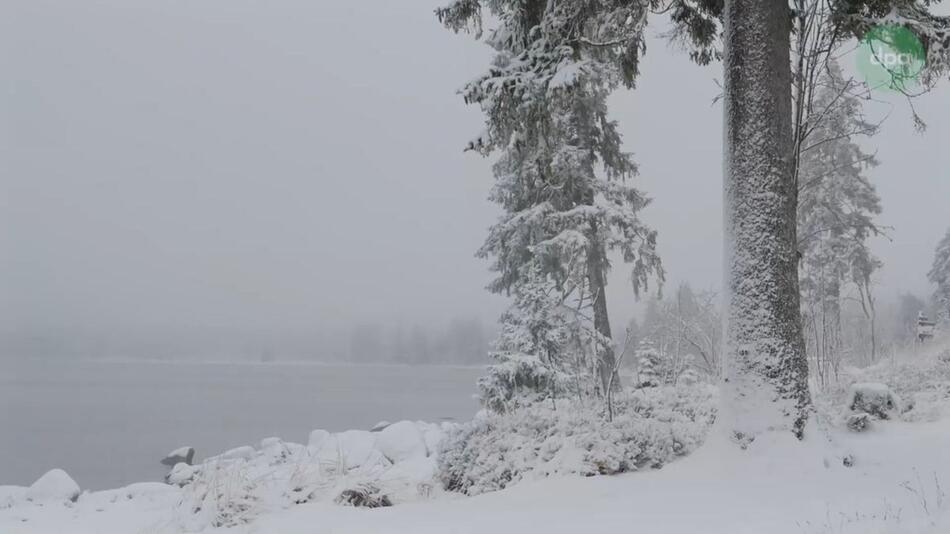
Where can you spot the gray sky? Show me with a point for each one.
(297, 165)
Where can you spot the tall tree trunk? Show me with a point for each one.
(766, 369)
(597, 278)
(832, 311)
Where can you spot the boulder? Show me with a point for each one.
(238, 453)
(268, 443)
(55, 485)
(182, 474)
(351, 449)
(180, 455)
(317, 439)
(378, 427)
(433, 438)
(401, 441)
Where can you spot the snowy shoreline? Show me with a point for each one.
(780, 487)
(886, 478)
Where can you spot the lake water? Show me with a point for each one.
(108, 424)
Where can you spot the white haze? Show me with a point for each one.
(292, 169)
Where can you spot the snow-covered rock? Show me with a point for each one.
(9, 495)
(267, 443)
(275, 450)
(149, 491)
(352, 448)
(182, 474)
(317, 439)
(55, 485)
(401, 441)
(146, 490)
(433, 436)
(380, 426)
(875, 399)
(179, 455)
(238, 453)
(411, 479)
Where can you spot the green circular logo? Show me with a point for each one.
(892, 58)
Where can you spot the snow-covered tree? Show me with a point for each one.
(940, 276)
(766, 368)
(836, 209)
(683, 324)
(547, 46)
(561, 176)
(542, 341)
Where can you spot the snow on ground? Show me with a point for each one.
(777, 486)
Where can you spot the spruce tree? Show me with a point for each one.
(562, 177)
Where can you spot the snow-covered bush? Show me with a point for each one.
(650, 368)
(519, 379)
(651, 427)
(875, 399)
(364, 496)
(921, 384)
(222, 495)
(858, 422)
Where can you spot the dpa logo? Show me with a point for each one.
(891, 58)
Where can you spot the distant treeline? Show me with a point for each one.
(459, 341)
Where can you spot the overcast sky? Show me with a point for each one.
(298, 165)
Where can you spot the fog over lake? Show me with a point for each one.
(109, 423)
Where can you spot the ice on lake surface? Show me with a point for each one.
(109, 424)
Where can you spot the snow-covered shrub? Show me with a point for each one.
(858, 422)
(651, 427)
(221, 495)
(519, 379)
(649, 368)
(874, 399)
(922, 385)
(689, 376)
(364, 496)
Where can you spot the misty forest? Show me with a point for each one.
(468, 266)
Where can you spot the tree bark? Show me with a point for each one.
(597, 278)
(766, 369)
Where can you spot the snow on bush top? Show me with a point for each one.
(922, 386)
(875, 399)
(393, 465)
(652, 426)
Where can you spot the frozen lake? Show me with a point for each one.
(108, 424)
